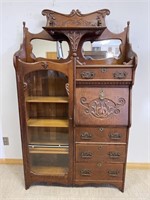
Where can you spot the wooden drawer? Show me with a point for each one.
(101, 73)
(100, 134)
(97, 171)
(100, 153)
(101, 106)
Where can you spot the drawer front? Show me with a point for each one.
(101, 106)
(95, 171)
(100, 153)
(101, 73)
(100, 134)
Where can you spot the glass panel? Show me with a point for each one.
(46, 83)
(101, 49)
(50, 49)
(47, 121)
(48, 136)
(47, 110)
(52, 164)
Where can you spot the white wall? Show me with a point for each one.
(15, 12)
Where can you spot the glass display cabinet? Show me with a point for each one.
(75, 100)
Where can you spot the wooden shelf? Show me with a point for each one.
(46, 99)
(54, 171)
(48, 150)
(47, 123)
(57, 142)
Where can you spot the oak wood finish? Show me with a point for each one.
(75, 113)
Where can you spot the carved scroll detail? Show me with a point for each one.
(76, 18)
(74, 38)
(67, 88)
(102, 107)
(44, 65)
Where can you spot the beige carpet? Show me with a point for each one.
(137, 187)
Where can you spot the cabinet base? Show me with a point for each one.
(64, 183)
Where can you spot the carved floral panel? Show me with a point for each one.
(102, 106)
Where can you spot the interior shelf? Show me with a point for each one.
(57, 142)
(48, 150)
(55, 171)
(47, 123)
(46, 99)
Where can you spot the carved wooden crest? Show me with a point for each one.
(76, 18)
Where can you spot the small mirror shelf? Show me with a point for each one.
(50, 49)
(101, 49)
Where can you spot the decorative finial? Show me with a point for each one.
(24, 24)
(128, 23)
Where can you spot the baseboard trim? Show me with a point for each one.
(138, 165)
(129, 165)
(11, 161)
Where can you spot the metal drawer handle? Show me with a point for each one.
(114, 155)
(85, 172)
(113, 173)
(120, 74)
(86, 155)
(115, 136)
(87, 75)
(86, 136)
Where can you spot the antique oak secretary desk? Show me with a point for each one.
(75, 112)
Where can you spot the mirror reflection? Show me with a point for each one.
(50, 49)
(101, 49)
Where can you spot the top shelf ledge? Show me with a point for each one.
(46, 99)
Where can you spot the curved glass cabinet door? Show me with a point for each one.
(47, 122)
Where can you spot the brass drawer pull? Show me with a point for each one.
(115, 136)
(120, 74)
(86, 155)
(113, 173)
(87, 75)
(86, 136)
(85, 172)
(114, 155)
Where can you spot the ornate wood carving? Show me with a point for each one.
(67, 88)
(96, 83)
(44, 65)
(74, 37)
(76, 18)
(102, 107)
